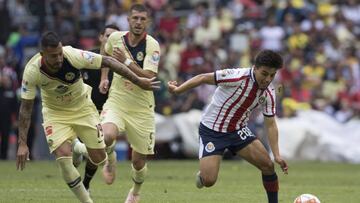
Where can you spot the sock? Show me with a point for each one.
(73, 179)
(138, 177)
(199, 181)
(271, 186)
(111, 153)
(80, 148)
(90, 170)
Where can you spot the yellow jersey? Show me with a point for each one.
(63, 93)
(123, 93)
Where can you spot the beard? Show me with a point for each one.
(137, 31)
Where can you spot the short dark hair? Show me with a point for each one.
(49, 39)
(268, 58)
(111, 26)
(138, 7)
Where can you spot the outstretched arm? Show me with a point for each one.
(120, 56)
(24, 123)
(272, 131)
(205, 78)
(121, 69)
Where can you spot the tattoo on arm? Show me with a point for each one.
(25, 119)
(120, 68)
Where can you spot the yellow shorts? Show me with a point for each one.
(86, 127)
(139, 127)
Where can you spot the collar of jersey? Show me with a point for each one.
(252, 75)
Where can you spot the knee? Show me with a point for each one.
(110, 133)
(63, 152)
(109, 137)
(138, 164)
(267, 167)
(208, 181)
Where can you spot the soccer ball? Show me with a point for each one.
(307, 198)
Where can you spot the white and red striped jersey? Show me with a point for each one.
(235, 97)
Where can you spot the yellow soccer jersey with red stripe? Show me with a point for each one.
(123, 93)
(64, 92)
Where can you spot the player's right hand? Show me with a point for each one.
(149, 84)
(284, 166)
(172, 85)
(119, 55)
(104, 86)
(22, 156)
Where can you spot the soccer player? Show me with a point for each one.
(67, 107)
(224, 122)
(130, 109)
(92, 77)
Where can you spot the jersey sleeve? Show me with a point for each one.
(152, 57)
(29, 82)
(229, 77)
(269, 106)
(83, 59)
(109, 45)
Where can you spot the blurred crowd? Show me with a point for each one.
(318, 39)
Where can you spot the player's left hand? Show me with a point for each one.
(119, 55)
(22, 156)
(282, 164)
(149, 84)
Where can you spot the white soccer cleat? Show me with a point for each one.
(76, 157)
(198, 181)
(132, 198)
(109, 172)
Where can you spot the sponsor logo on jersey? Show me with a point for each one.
(69, 76)
(140, 56)
(210, 147)
(61, 89)
(88, 56)
(155, 56)
(226, 72)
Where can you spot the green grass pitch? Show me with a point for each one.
(173, 181)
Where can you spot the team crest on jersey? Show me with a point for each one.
(69, 76)
(262, 99)
(140, 56)
(61, 89)
(210, 147)
(88, 56)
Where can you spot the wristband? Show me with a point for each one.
(127, 62)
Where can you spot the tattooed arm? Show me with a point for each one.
(121, 69)
(24, 123)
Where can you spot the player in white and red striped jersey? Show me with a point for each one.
(224, 122)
